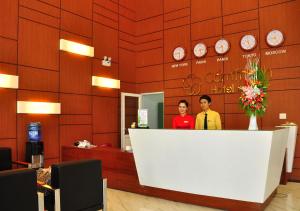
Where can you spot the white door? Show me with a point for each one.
(130, 103)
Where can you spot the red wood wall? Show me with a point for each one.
(140, 37)
(163, 25)
(29, 47)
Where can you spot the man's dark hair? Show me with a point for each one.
(205, 97)
(183, 101)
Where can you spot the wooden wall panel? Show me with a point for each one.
(175, 37)
(75, 73)
(148, 8)
(149, 25)
(76, 24)
(55, 3)
(9, 18)
(79, 132)
(175, 73)
(209, 9)
(109, 72)
(10, 69)
(39, 96)
(206, 29)
(38, 17)
(127, 72)
(282, 102)
(38, 45)
(8, 107)
(149, 74)
(75, 104)
(232, 6)
(70, 119)
(149, 57)
(38, 79)
(82, 7)
(105, 42)
(181, 13)
(150, 87)
(285, 60)
(284, 17)
(105, 115)
(8, 50)
(126, 25)
(173, 5)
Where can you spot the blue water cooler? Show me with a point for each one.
(34, 146)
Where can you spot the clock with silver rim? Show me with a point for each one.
(222, 46)
(275, 38)
(179, 53)
(248, 42)
(200, 50)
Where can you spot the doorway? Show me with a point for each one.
(130, 103)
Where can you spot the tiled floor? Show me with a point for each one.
(287, 199)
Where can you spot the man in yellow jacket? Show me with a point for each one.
(207, 119)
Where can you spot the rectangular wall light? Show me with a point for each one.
(77, 48)
(105, 82)
(9, 81)
(27, 107)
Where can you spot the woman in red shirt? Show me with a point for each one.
(183, 120)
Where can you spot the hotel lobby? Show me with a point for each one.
(149, 105)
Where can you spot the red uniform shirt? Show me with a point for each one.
(183, 122)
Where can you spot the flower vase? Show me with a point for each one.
(253, 123)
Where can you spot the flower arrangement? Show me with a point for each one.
(253, 99)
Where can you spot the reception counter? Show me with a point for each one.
(238, 165)
(231, 170)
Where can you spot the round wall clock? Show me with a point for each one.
(200, 50)
(248, 42)
(275, 38)
(179, 53)
(222, 46)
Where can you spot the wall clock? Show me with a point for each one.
(222, 46)
(248, 42)
(275, 38)
(179, 53)
(200, 50)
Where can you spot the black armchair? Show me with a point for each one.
(19, 191)
(77, 185)
(5, 158)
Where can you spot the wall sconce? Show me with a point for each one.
(27, 107)
(106, 61)
(76, 48)
(105, 82)
(9, 81)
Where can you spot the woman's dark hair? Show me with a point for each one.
(205, 97)
(183, 101)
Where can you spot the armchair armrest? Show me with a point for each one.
(56, 194)
(104, 194)
(22, 163)
(41, 201)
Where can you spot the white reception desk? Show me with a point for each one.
(230, 164)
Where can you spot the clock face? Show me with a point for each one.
(222, 46)
(179, 53)
(275, 38)
(248, 42)
(200, 50)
